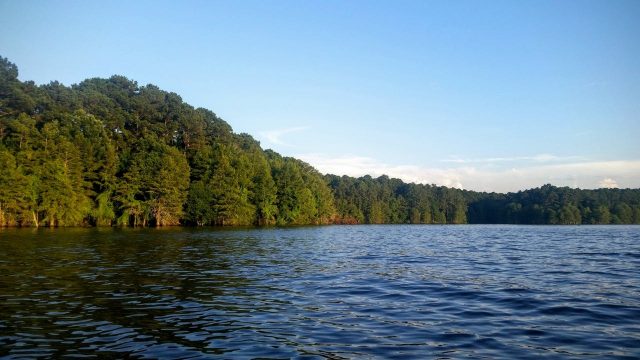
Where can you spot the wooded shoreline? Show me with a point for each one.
(108, 152)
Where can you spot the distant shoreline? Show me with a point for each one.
(108, 152)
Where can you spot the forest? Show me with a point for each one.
(109, 152)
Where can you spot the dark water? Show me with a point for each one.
(322, 292)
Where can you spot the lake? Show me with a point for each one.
(394, 291)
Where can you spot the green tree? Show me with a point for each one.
(168, 188)
(264, 194)
(602, 215)
(12, 190)
(199, 209)
(570, 215)
(231, 204)
(623, 213)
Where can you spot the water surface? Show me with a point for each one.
(322, 292)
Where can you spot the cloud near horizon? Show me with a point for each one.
(275, 136)
(586, 175)
(608, 183)
(540, 158)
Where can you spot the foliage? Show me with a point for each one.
(557, 205)
(110, 152)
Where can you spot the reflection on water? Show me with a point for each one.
(321, 292)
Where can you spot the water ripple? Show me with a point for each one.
(323, 292)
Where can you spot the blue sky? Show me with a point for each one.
(484, 95)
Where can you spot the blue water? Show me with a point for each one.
(322, 292)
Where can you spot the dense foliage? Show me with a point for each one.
(110, 152)
(384, 200)
(552, 205)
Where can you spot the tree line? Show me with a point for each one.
(108, 152)
(384, 201)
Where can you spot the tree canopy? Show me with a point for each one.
(109, 152)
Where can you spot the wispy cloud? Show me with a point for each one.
(275, 136)
(594, 84)
(360, 166)
(584, 174)
(540, 158)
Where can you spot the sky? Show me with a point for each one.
(482, 95)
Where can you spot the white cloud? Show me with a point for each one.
(608, 183)
(275, 136)
(540, 158)
(587, 175)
